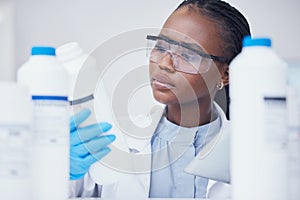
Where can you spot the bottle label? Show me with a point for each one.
(14, 144)
(82, 100)
(275, 123)
(51, 120)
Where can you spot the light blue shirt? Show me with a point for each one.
(173, 148)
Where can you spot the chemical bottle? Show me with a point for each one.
(258, 80)
(84, 73)
(15, 135)
(81, 93)
(48, 84)
(293, 106)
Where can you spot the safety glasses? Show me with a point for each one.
(185, 58)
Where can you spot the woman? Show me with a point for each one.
(188, 65)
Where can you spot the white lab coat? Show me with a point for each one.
(136, 186)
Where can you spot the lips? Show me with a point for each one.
(162, 82)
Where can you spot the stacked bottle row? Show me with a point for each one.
(35, 124)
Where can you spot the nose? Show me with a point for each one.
(167, 62)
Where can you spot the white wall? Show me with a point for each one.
(90, 22)
(275, 18)
(7, 59)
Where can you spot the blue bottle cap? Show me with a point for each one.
(43, 50)
(248, 41)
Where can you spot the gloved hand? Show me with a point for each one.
(86, 144)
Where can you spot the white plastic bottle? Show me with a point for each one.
(84, 73)
(48, 84)
(15, 135)
(75, 61)
(258, 80)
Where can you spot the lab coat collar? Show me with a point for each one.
(212, 161)
(141, 145)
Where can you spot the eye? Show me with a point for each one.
(188, 57)
(160, 48)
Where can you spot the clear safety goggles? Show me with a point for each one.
(185, 58)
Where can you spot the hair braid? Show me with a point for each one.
(233, 24)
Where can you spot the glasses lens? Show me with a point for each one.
(187, 61)
(156, 50)
(184, 60)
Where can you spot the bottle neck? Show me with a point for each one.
(42, 57)
(258, 46)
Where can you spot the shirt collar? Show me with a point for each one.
(198, 135)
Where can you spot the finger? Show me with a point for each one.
(89, 132)
(92, 146)
(78, 118)
(92, 158)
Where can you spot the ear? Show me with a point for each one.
(225, 74)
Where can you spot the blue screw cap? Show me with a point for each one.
(43, 50)
(248, 41)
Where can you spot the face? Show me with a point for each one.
(170, 86)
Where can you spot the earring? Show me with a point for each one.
(220, 85)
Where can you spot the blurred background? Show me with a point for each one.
(25, 23)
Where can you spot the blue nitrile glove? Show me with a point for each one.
(86, 144)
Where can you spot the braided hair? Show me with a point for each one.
(233, 27)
